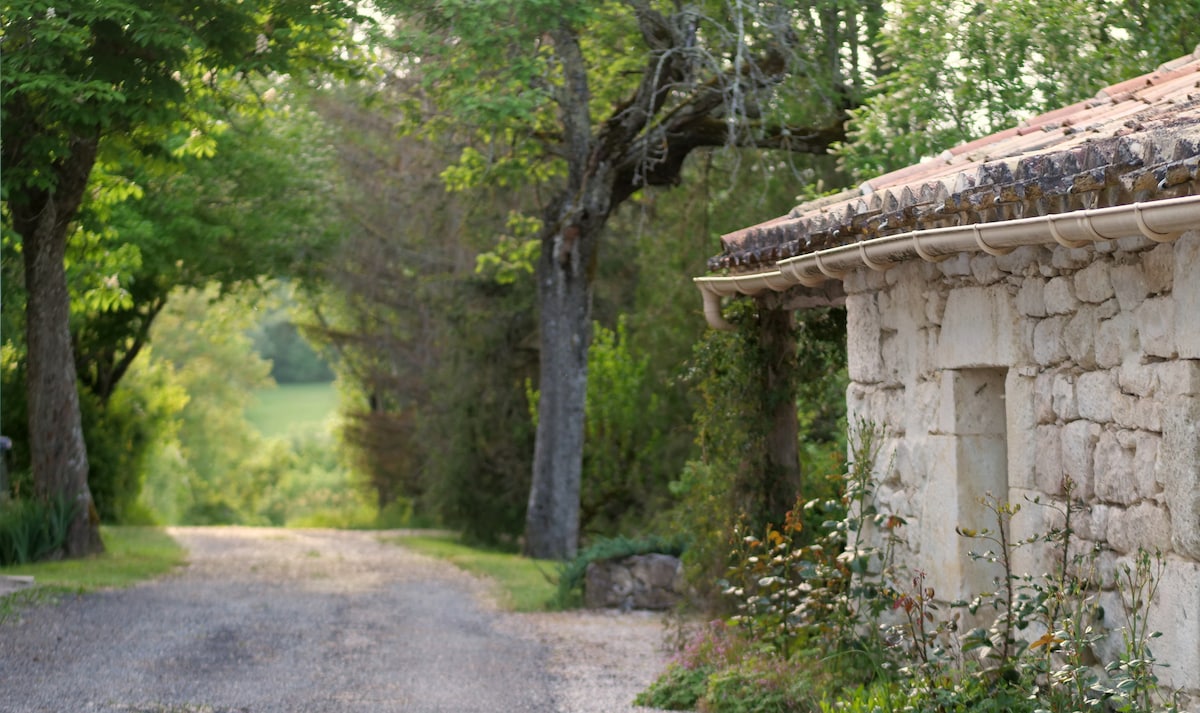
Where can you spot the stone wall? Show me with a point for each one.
(1002, 374)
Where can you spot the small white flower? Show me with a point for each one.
(50, 13)
(260, 44)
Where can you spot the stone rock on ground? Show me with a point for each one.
(14, 583)
(650, 581)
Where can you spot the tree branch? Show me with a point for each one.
(574, 100)
(680, 139)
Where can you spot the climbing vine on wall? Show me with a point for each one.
(736, 378)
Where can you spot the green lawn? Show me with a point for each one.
(525, 585)
(292, 407)
(132, 554)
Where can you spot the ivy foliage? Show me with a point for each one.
(726, 486)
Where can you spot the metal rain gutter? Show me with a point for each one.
(1161, 221)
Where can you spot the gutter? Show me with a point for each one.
(1160, 221)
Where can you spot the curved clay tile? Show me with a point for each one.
(1114, 149)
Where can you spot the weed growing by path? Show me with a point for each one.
(837, 625)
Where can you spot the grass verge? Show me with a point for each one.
(133, 554)
(524, 584)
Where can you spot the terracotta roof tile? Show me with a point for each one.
(983, 141)
(1137, 140)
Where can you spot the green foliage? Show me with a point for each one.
(498, 72)
(258, 207)
(709, 649)
(623, 482)
(515, 253)
(679, 688)
(33, 529)
(309, 487)
(728, 431)
(877, 697)
(758, 684)
(213, 466)
(432, 354)
(478, 477)
(86, 85)
(728, 485)
(132, 555)
(1012, 60)
(618, 453)
(293, 360)
(14, 416)
(721, 668)
(810, 591)
(121, 434)
(151, 224)
(77, 69)
(806, 612)
(571, 574)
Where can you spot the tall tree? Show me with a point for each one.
(593, 102)
(80, 77)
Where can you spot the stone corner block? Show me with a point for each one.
(1186, 294)
(980, 328)
(1178, 470)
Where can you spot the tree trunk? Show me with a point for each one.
(782, 478)
(565, 301)
(57, 452)
(570, 233)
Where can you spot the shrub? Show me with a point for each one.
(704, 652)
(33, 529)
(733, 480)
(759, 684)
(869, 635)
(677, 689)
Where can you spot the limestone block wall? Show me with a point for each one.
(1004, 374)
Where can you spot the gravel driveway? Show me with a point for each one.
(288, 621)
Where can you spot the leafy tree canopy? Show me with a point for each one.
(591, 103)
(661, 80)
(80, 78)
(73, 67)
(959, 70)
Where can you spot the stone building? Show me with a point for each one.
(1020, 309)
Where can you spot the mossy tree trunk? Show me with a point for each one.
(58, 454)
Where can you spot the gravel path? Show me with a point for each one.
(290, 621)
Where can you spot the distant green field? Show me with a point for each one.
(292, 407)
